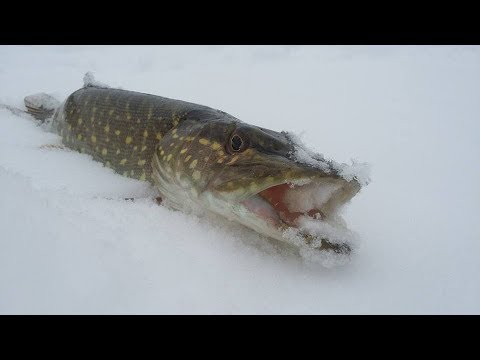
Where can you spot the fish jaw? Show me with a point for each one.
(303, 211)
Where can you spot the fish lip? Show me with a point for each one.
(336, 200)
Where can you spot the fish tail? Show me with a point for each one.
(41, 106)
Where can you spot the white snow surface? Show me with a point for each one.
(70, 244)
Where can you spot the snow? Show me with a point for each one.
(302, 154)
(356, 170)
(311, 196)
(89, 80)
(71, 244)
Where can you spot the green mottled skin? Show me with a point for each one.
(122, 128)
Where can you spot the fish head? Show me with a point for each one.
(256, 177)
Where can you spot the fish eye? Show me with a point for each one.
(236, 143)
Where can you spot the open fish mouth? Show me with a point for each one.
(307, 209)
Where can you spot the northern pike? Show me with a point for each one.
(200, 157)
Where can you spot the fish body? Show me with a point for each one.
(122, 128)
(200, 157)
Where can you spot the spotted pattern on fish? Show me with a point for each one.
(124, 128)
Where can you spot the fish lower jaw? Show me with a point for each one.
(278, 226)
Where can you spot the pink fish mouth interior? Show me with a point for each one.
(283, 205)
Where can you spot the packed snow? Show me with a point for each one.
(70, 243)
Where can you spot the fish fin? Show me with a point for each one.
(90, 81)
(41, 106)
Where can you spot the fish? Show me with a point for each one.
(201, 158)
